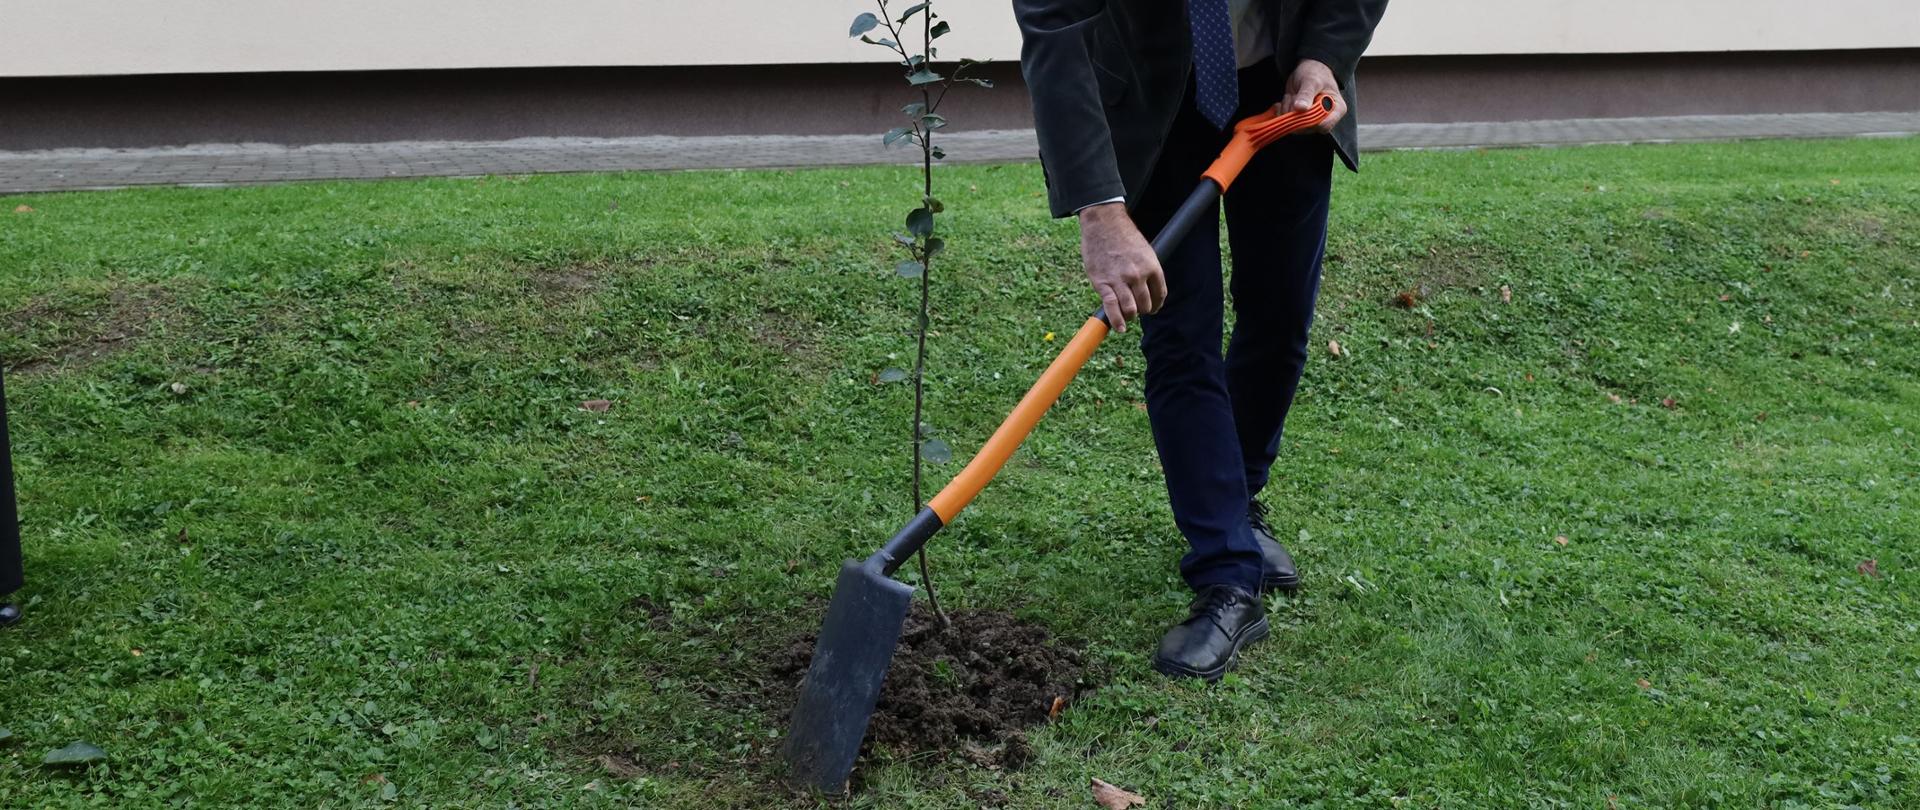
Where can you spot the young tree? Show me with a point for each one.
(923, 119)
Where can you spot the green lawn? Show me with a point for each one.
(315, 518)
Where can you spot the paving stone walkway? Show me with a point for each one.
(233, 164)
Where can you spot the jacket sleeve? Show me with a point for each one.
(1336, 32)
(1076, 147)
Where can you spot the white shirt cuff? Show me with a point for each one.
(1076, 211)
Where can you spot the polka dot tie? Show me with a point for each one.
(1215, 75)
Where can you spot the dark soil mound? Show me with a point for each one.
(969, 689)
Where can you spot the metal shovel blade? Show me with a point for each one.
(850, 661)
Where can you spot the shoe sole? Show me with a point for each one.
(1286, 586)
(1254, 632)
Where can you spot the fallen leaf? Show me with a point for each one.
(1869, 568)
(374, 779)
(619, 767)
(792, 565)
(78, 755)
(1333, 348)
(1113, 798)
(1613, 398)
(1506, 294)
(1140, 405)
(1407, 299)
(1561, 539)
(24, 209)
(182, 536)
(1725, 297)
(178, 389)
(136, 652)
(1059, 702)
(1643, 683)
(1669, 403)
(1048, 338)
(596, 405)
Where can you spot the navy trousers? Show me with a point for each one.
(10, 573)
(1217, 416)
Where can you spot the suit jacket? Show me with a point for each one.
(1108, 76)
(10, 573)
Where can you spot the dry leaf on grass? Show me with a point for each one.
(596, 405)
(1113, 798)
(1506, 294)
(619, 767)
(1333, 348)
(1869, 568)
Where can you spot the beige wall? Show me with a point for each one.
(93, 37)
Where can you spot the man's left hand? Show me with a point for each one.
(1309, 81)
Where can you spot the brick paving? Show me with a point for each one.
(239, 164)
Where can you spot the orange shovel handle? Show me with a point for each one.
(1255, 132)
(1249, 136)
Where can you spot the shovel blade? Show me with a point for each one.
(842, 685)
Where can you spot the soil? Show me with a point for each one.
(969, 690)
(76, 332)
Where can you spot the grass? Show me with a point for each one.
(315, 518)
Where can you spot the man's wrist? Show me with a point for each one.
(1103, 212)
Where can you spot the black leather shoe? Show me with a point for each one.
(1276, 565)
(9, 614)
(1222, 620)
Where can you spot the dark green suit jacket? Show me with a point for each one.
(1107, 77)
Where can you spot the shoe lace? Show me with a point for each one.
(1213, 603)
(1257, 515)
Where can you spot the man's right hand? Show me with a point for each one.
(1120, 264)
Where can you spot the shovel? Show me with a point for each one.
(869, 606)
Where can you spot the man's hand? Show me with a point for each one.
(1307, 83)
(1120, 264)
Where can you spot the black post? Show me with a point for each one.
(11, 575)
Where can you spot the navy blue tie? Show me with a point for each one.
(1216, 78)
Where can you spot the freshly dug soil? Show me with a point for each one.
(968, 690)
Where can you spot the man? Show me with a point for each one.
(1132, 100)
(10, 573)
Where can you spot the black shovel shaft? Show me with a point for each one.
(11, 575)
(925, 525)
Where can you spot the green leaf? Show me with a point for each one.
(933, 204)
(892, 375)
(940, 29)
(905, 239)
(914, 109)
(895, 134)
(987, 83)
(933, 121)
(922, 76)
(910, 269)
(936, 451)
(883, 42)
(939, 154)
(862, 24)
(79, 754)
(920, 222)
(912, 10)
(935, 245)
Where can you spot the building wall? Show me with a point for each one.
(134, 37)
